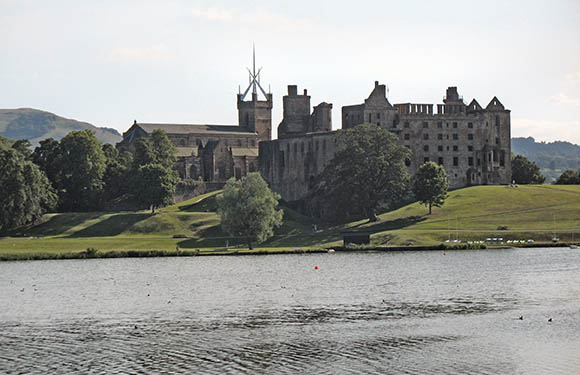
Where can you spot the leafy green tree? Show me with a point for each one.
(368, 170)
(154, 185)
(525, 171)
(569, 177)
(117, 172)
(24, 147)
(26, 192)
(156, 149)
(247, 208)
(430, 185)
(82, 166)
(48, 158)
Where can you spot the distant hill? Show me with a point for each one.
(552, 157)
(35, 125)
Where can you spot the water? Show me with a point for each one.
(369, 313)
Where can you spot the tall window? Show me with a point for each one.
(455, 136)
(426, 136)
(470, 137)
(426, 148)
(455, 161)
(425, 124)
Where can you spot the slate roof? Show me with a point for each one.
(196, 129)
(243, 151)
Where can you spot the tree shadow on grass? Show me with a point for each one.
(381, 226)
(57, 224)
(112, 226)
(206, 205)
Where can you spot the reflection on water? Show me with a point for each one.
(411, 312)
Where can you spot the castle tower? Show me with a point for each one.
(254, 114)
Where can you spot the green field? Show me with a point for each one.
(470, 214)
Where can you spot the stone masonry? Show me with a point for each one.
(472, 143)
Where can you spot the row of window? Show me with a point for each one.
(184, 142)
(455, 136)
(456, 161)
(407, 124)
(316, 146)
(440, 148)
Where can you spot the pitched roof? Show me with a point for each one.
(244, 151)
(186, 151)
(196, 129)
(495, 105)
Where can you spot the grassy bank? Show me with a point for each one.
(192, 227)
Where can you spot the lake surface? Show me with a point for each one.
(369, 313)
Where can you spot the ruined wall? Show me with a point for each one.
(375, 110)
(290, 165)
(474, 146)
(472, 143)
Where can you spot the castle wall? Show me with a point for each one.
(471, 147)
(290, 165)
(472, 143)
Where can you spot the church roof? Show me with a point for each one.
(185, 151)
(196, 129)
(244, 151)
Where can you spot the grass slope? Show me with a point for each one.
(35, 125)
(473, 213)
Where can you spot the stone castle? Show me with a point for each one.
(471, 142)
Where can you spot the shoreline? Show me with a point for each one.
(95, 254)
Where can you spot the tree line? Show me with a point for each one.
(78, 173)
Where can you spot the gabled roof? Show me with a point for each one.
(244, 151)
(474, 106)
(196, 129)
(186, 151)
(495, 105)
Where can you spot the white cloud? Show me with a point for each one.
(573, 77)
(547, 130)
(564, 99)
(156, 53)
(213, 14)
(254, 17)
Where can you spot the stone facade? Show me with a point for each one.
(472, 143)
(212, 153)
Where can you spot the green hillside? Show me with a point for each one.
(470, 214)
(553, 158)
(35, 125)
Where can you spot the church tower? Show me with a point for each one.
(256, 115)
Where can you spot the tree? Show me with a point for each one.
(430, 185)
(26, 192)
(154, 185)
(82, 166)
(24, 147)
(117, 172)
(157, 149)
(247, 208)
(48, 158)
(569, 177)
(525, 171)
(369, 169)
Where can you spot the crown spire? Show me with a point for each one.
(254, 78)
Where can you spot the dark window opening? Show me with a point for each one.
(470, 161)
(440, 160)
(455, 161)
(455, 148)
(439, 148)
(426, 136)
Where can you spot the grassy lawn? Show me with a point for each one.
(469, 214)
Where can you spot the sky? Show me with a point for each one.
(112, 62)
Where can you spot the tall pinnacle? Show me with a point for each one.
(254, 77)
